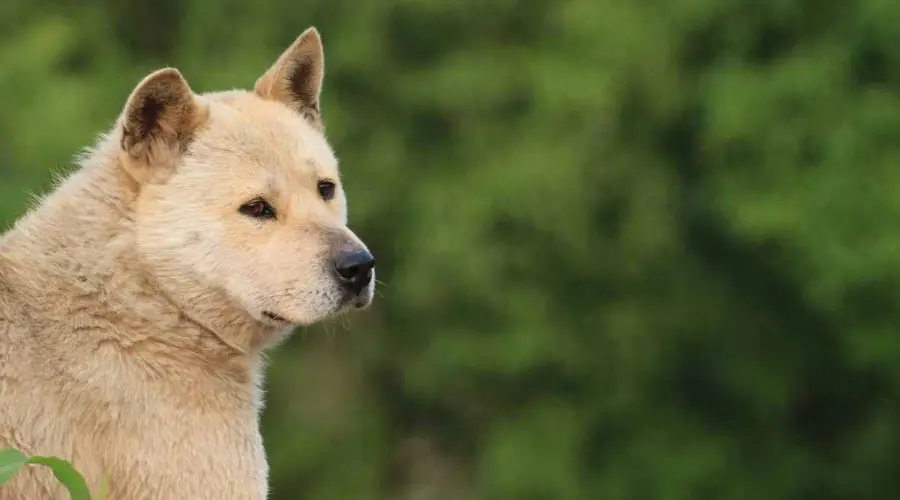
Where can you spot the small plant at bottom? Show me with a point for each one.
(11, 460)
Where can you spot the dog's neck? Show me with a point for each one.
(74, 259)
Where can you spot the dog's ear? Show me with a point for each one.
(159, 119)
(296, 77)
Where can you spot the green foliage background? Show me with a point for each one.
(632, 250)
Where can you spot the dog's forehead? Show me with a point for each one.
(269, 134)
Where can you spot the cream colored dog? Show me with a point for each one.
(137, 298)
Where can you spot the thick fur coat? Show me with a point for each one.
(137, 298)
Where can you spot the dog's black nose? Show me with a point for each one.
(355, 269)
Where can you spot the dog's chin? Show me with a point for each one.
(287, 320)
(283, 320)
(277, 318)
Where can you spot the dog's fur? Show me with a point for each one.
(136, 300)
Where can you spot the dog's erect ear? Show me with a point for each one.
(159, 120)
(296, 77)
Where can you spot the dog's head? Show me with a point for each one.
(239, 192)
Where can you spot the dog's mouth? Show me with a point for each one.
(348, 301)
(351, 300)
(275, 318)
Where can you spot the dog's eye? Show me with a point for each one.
(326, 190)
(258, 209)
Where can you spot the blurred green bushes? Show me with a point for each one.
(631, 250)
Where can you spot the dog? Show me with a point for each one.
(138, 298)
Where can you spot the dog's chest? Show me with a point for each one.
(185, 454)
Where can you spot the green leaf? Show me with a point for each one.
(67, 475)
(10, 462)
